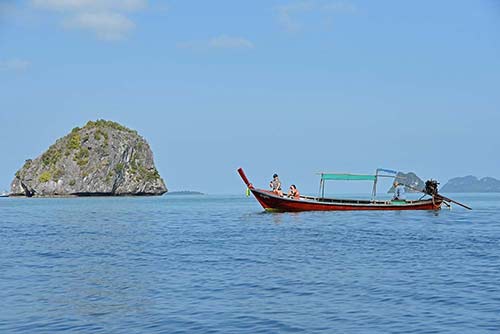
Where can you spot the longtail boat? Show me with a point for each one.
(271, 201)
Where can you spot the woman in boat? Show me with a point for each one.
(293, 192)
(275, 185)
(399, 192)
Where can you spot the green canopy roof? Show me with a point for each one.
(347, 177)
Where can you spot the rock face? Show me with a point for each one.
(410, 179)
(103, 158)
(471, 184)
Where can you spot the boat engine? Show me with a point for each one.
(431, 187)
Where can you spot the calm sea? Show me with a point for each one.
(213, 264)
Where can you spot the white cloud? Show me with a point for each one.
(107, 26)
(228, 42)
(91, 5)
(289, 15)
(108, 19)
(14, 65)
(218, 42)
(286, 13)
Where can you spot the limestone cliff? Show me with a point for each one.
(103, 158)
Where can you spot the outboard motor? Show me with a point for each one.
(431, 187)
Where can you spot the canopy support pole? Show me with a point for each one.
(374, 190)
(320, 186)
(321, 192)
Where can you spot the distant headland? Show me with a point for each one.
(472, 184)
(103, 158)
(185, 193)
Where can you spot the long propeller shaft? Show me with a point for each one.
(439, 196)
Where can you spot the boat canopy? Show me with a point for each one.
(380, 172)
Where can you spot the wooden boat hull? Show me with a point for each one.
(272, 202)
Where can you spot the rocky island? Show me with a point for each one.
(103, 158)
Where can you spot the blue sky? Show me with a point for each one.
(292, 87)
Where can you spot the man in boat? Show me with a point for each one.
(293, 192)
(399, 192)
(275, 185)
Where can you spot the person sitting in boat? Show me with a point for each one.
(293, 192)
(275, 185)
(399, 192)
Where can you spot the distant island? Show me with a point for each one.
(103, 158)
(409, 179)
(185, 192)
(472, 184)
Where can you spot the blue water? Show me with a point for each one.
(209, 264)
